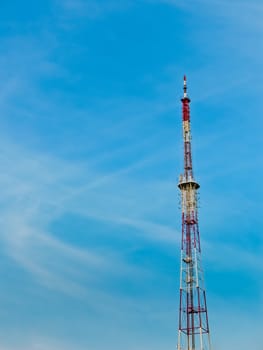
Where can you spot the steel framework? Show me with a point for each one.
(193, 319)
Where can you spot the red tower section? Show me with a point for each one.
(193, 319)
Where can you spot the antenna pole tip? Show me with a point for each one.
(185, 87)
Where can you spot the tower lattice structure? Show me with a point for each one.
(193, 317)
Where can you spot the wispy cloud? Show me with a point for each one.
(38, 188)
(91, 9)
(38, 343)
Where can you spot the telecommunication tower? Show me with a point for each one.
(193, 318)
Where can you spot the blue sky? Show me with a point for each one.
(90, 153)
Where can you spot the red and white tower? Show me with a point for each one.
(193, 319)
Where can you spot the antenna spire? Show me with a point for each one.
(185, 87)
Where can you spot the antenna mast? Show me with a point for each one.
(193, 318)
